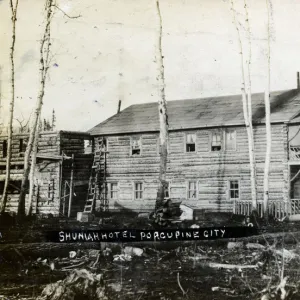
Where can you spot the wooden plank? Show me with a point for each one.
(71, 187)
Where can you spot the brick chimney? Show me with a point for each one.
(298, 81)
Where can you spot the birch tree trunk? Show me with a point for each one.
(250, 133)
(32, 169)
(14, 9)
(163, 117)
(268, 123)
(44, 66)
(247, 107)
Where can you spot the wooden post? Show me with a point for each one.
(37, 198)
(71, 187)
(60, 181)
(119, 106)
(64, 198)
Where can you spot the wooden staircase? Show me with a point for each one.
(97, 183)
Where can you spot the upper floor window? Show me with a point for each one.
(234, 189)
(230, 139)
(113, 190)
(138, 190)
(190, 142)
(216, 141)
(136, 145)
(192, 190)
(4, 148)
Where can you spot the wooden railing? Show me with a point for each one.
(294, 153)
(295, 206)
(279, 209)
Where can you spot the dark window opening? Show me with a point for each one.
(190, 148)
(136, 151)
(190, 142)
(216, 142)
(14, 187)
(21, 145)
(4, 149)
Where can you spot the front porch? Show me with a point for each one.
(278, 209)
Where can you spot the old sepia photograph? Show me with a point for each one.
(149, 149)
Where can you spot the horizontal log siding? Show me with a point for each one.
(71, 143)
(50, 143)
(211, 170)
(47, 173)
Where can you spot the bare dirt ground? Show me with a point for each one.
(260, 267)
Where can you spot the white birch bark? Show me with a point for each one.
(14, 9)
(32, 170)
(44, 65)
(268, 122)
(163, 115)
(247, 109)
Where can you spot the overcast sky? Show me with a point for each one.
(109, 54)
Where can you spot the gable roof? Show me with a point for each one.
(201, 113)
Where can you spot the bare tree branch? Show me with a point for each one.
(65, 14)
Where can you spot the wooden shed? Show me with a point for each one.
(63, 165)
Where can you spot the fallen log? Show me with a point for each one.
(198, 257)
(255, 246)
(231, 266)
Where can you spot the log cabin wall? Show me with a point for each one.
(48, 179)
(73, 143)
(206, 172)
(81, 173)
(48, 144)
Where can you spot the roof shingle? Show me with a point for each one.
(200, 113)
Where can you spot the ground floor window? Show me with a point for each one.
(113, 190)
(138, 190)
(192, 190)
(234, 189)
